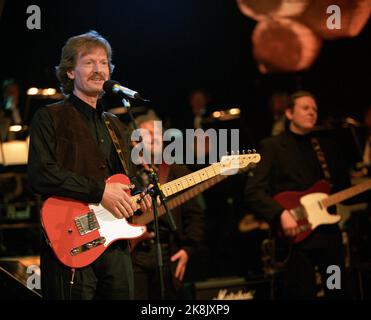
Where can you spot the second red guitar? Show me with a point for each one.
(309, 207)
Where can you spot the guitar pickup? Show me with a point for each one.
(87, 246)
(86, 223)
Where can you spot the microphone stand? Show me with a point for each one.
(155, 192)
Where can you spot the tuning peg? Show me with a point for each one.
(243, 151)
(253, 150)
(232, 153)
(238, 152)
(249, 151)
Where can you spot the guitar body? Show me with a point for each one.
(79, 232)
(315, 213)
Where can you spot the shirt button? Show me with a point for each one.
(101, 140)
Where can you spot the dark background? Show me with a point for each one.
(166, 48)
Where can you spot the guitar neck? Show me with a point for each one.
(204, 178)
(346, 194)
(178, 185)
(190, 180)
(182, 198)
(189, 194)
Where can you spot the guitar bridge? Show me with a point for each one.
(86, 223)
(87, 246)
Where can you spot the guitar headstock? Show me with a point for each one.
(230, 165)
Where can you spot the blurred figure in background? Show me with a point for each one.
(177, 247)
(277, 105)
(9, 113)
(198, 100)
(11, 100)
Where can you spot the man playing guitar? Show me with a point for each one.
(71, 155)
(294, 161)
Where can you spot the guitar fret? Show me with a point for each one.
(209, 175)
(167, 190)
(196, 178)
(215, 172)
(203, 176)
(174, 188)
(192, 180)
(184, 183)
(178, 186)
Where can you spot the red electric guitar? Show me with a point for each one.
(79, 232)
(309, 207)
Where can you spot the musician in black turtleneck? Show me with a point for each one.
(290, 163)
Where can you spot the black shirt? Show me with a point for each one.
(51, 180)
(99, 132)
(289, 163)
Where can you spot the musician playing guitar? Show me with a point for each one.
(177, 247)
(294, 161)
(71, 155)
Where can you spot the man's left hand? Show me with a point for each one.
(146, 204)
(182, 256)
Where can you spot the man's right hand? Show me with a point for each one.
(117, 200)
(289, 224)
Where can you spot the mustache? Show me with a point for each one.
(97, 76)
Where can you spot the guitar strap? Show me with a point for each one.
(321, 158)
(116, 142)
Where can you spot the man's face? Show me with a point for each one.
(90, 72)
(153, 141)
(303, 115)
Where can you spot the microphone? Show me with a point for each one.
(115, 87)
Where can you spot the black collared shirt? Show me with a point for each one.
(47, 178)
